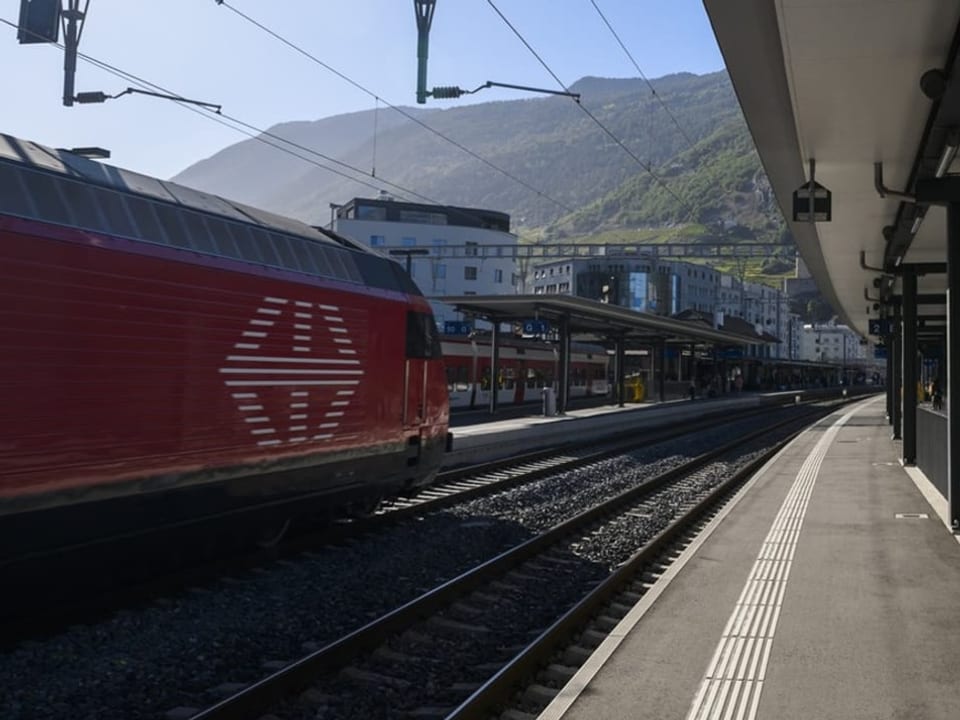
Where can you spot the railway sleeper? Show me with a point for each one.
(429, 712)
(373, 679)
(558, 674)
(606, 623)
(513, 714)
(539, 695)
(576, 655)
(448, 626)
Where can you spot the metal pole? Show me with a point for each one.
(888, 373)
(70, 43)
(621, 372)
(953, 363)
(424, 10)
(894, 358)
(662, 352)
(494, 361)
(909, 350)
(564, 385)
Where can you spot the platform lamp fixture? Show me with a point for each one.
(812, 202)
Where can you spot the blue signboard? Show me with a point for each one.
(456, 327)
(879, 327)
(535, 327)
(880, 352)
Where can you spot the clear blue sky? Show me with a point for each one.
(204, 51)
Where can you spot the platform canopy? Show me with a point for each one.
(839, 81)
(592, 320)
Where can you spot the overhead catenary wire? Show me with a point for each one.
(343, 76)
(246, 128)
(645, 165)
(653, 90)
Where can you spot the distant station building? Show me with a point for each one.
(448, 250)
(647, 283)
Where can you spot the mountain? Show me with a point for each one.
(577, 178)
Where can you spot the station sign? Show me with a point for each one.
(457, 327)
(878, 327)
(536, 327)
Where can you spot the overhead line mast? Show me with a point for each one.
(424, 10)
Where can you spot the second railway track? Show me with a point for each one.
(187, 650)
(428, 656)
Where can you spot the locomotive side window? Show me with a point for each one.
(287, 260)
(376, 271)
(303, 255)
(46, 197)
(249, 250)
(221, 238)
(320, 258)
(170, 222)
(423, 340)
(143, 216)
(114, 210)
(13, 198)
(197, 234)
(265, 247)
(82, 204)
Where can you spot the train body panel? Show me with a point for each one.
(132, 368)
(526, 367)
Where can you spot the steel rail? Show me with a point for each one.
(256, 699)
(497, 692)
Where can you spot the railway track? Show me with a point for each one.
(456, 485)
(94, 595)
(460, 650)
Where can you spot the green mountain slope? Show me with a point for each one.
(548, 143)
(715, 188)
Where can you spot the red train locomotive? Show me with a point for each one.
(169, 354)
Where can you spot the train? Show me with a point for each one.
(171, 355)
(525, 367)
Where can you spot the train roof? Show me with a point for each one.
(78, 167)
(104, 198)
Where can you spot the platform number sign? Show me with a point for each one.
(452, 327)
(535, 327)
(879, 327)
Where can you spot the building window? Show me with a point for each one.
(408, 241)
(377, 241)
(470, 249)
(371, 212)
(441, 271)
(469, 273)
(498, 275)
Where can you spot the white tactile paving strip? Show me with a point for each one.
(733, 683)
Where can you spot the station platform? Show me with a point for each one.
(827, 588)
(491, 439)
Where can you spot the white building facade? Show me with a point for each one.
(828, 342)
(465, 251)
